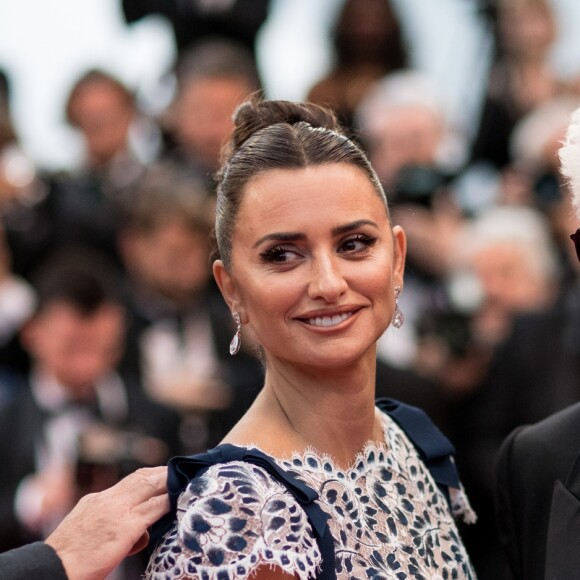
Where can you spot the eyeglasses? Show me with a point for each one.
(575, 237)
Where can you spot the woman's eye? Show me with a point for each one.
(356, 244)
(279, 255)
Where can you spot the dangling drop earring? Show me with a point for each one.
(237, 339)
(398, 318)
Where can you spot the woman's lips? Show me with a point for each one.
(329, 320)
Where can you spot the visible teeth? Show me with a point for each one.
(329, 320)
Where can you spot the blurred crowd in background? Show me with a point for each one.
(114, 339)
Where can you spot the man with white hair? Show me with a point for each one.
(570, 160)
(538, 480)
(404, 121)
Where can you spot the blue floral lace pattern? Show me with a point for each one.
(388, 520)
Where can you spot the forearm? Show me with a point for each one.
(38, 561)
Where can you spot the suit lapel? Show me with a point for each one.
(563, 544)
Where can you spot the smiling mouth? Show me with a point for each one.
(326, 321)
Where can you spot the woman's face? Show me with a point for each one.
(314, 265)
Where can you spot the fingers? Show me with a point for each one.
(152, 509)
(141, 485)
(140, 544)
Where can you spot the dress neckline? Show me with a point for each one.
(372, 452)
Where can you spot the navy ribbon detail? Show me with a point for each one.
(434, 448)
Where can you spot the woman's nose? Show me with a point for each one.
(327, 280)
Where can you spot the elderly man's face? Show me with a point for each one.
(408, 136)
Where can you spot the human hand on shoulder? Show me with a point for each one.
(105, 527)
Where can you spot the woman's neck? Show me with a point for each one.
(332, 411)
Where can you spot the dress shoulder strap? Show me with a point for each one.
(434, 448)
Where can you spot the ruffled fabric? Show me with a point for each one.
(388, 519)
(460, 506)
(232, 519)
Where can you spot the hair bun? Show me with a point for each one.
(258, 114)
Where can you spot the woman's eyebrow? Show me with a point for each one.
(295, 236)
(281, 237)
(343, 229)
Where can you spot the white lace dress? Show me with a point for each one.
(387, 517)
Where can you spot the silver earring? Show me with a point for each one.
(237, 340)
(398, 317)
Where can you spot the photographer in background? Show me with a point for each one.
(504, 265)
(178, 326)
(213, 78)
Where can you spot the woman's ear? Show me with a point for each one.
(399, 255)
(227, 286)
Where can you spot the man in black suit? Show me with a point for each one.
(538, 500)
(84, 206)
(538, 478)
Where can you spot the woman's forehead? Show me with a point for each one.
(329, 183)
(292, 199)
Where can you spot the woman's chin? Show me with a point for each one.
(334, 359)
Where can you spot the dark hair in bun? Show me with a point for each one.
(254, 115)
(278, 135)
